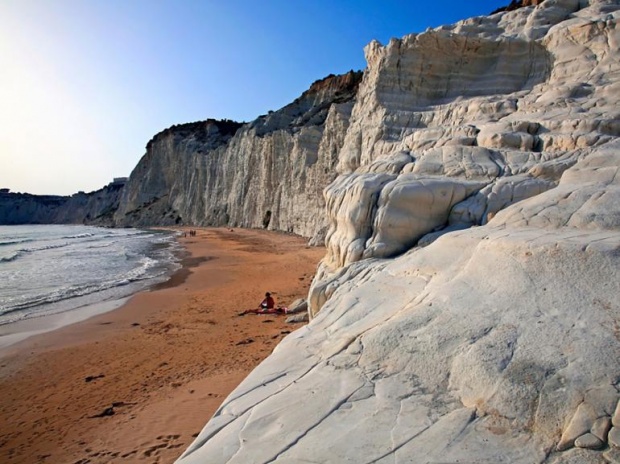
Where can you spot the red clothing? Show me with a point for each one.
(268, 303)
(263, 311)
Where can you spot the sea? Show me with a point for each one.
(76, 271)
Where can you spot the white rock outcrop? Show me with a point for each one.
(269, 173)
(500, 142)
(493, 343)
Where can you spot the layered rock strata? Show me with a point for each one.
(494, 109)
(268, 173)
(467, 309)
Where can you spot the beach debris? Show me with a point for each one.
(245, 342)
(106, 412)
(110, 411)
(90, 378)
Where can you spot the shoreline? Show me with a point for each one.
(163, 362)
(20, 331)
(61, 313)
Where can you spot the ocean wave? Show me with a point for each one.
(25, 251)
(15, 242)
(13, 257)
(101, 245)
(60, 295)
(135, 275)
(83, 267)
(85, 235)
(43, 248)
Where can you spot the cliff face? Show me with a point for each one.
(269, 173)
(457, 123)
(95, 208)
(467, 309)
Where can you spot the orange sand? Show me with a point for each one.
(163, 362)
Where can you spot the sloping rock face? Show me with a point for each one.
(268, 173)
(95, 208)
(467, 309)
(23, 208)
(170, 178)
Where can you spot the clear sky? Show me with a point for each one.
(84, 84)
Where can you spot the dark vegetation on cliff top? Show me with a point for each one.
(311, 108)
(516, 4)
(199, 129)
(322, 92)
(340, 85)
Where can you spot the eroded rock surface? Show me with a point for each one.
(498, 342)
(499, 107)
(269, 173)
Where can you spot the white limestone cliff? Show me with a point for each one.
(479, 101)
(468, 307)
(268, 173)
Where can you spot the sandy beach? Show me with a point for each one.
(138, 383)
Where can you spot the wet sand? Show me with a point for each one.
(138, 383)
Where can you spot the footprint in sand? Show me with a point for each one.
(165, 442)
(98, 456)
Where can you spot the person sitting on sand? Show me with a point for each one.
(268, 302)
(267, 306)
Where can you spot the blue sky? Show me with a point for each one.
(84, 84)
